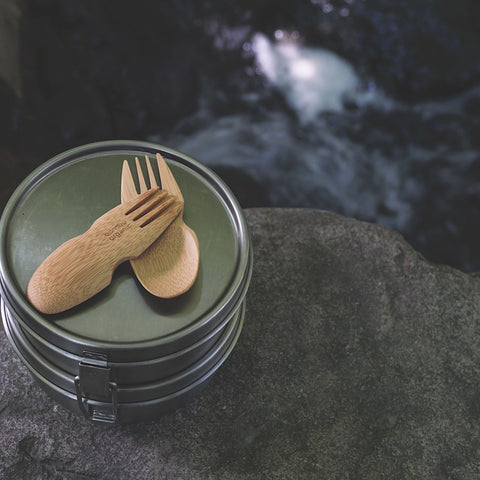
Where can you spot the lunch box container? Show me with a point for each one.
(124, 355)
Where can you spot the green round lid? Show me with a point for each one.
(62, 199)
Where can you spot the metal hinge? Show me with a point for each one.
(94, 380)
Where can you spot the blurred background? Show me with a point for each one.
(368, 108)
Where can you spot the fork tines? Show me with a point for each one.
(146, 197)
(154, 202)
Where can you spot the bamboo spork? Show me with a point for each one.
(83, 266)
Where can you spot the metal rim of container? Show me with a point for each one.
(127, 412)
(126, 393)
(126, 354)
(66, 359)
(233, 295)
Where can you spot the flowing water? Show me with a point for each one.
(311, 132)
(244, 88)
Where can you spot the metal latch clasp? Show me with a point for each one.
(94, 380)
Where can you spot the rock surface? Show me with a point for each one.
(358, 360)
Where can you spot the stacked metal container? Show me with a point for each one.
(124, 355)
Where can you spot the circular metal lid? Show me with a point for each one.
(62, 198)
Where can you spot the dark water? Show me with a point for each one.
(366, 108)
(338, 142)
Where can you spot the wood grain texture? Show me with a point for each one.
(169, 267)
(83, 266)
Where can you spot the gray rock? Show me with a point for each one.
(358, 360)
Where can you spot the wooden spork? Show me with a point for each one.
(83, 266)
(170, 265)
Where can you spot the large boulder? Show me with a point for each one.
(358, 359)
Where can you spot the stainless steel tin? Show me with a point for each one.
(136, 337)
(141, 391)
(126, 373)
(142, 408)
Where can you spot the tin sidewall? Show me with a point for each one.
(136, 351)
